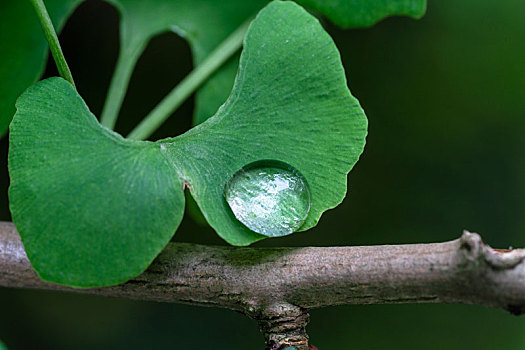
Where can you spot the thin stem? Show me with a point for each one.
(127, 60)
(191, 83)
(52, 39)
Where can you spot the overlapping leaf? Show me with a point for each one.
(94, 208)
(204, 23)
(345, 13)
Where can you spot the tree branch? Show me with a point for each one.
(276, 286)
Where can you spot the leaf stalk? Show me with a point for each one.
(52, 39)
(126, 62)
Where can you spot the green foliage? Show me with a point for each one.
(94, 209)
(345, 13)
(364, 13)
(115, 203)
(290, 103)
(459, 159)
(204, 23)
(24, 49)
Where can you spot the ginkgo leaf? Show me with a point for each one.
(94, 209)
(290, 103)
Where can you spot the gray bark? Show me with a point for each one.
(277, 286)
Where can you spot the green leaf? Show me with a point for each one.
(93, 208)
(364, 13)
(290, 104)
(24, 49)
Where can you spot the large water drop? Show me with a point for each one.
(270, 198)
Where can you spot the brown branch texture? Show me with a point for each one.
(277, 286)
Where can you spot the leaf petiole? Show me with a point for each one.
(189, 84)
(52, 39)
(126, 62)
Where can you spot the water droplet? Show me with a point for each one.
(269, 197)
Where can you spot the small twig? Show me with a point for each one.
(276, 286)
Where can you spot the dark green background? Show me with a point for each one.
(445, 97)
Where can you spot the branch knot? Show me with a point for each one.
(476, 250)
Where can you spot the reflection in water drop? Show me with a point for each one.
(270, 198)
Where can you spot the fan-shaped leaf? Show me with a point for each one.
(290, 103)
(92, 208)
(95, 209)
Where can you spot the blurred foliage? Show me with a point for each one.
(445, 99)
(25, 46)
(23, 49)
